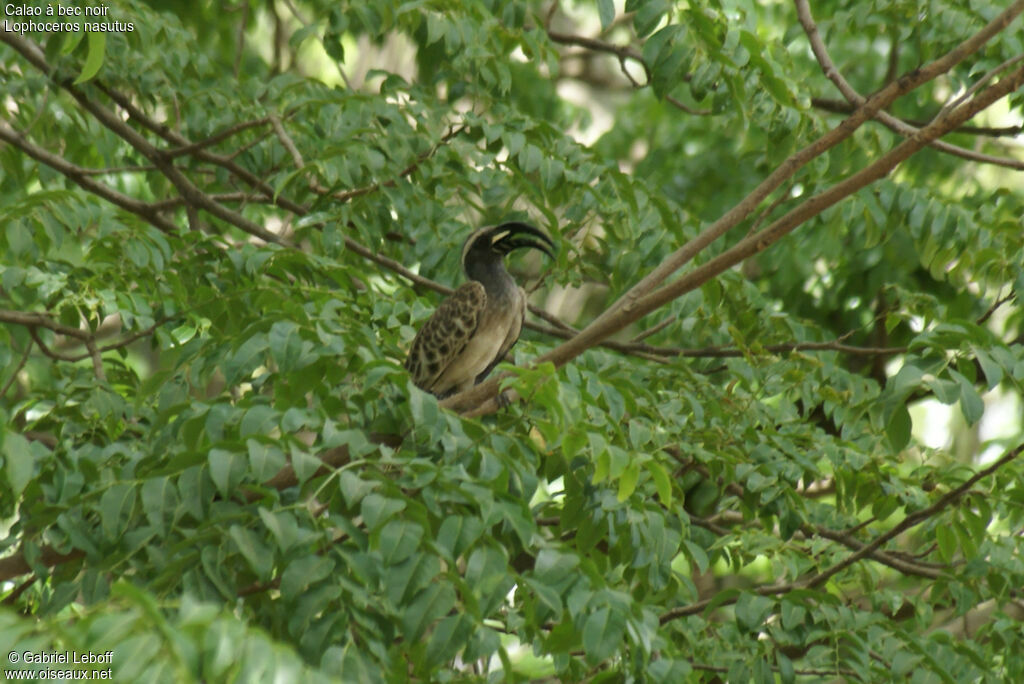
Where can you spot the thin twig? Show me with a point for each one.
(346, 195)
(623, 53)
(655, 328)
(687, 108)
(907, 523)
(97, 360)
(986, 77)
(995, 305)
(286, 140)
(783, 196)
(240, 39)
(56, 356)
(17, 369)
(843, 107)
(216, 138)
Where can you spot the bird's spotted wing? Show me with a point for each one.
(445, 334)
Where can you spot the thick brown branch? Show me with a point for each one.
(38, 320)
(894, 124)
(81, 177)
(115, 124)
(246, 176)
(904, 566)
(818, 203)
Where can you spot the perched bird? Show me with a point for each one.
(473, 329)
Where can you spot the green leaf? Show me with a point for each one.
(115, 509)
(377, 509)
(793, 614)
(548, 597)
(449, 637)
(285, 528)
(407, 578)
(487, 573)
(255, 552)
(946, 538)
(457, 533)
(606, 11)
(602, 634)
(159, 498)
(662, 483)
(303, 572)
(398, 540)
(991, 369)
(627, 483)
(971, 404)
(648, 16)
(697, 555)
(259, 420)
(71, 41)
(265, 460)
(354, 488)
(752, 610)
(97, 43)
(19, 462)
(483, 642)
(552, 565)
(897, 430)
(946, 391)
(431, 603)
(304, 463)
(226, 470)
(286, 345)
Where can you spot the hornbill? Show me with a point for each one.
(473, 329)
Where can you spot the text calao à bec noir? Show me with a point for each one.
(57, 18)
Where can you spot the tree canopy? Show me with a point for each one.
(764, 422)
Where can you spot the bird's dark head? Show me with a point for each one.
(486, 247)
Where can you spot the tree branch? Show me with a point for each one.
(891, 122)
(843, 107)
(642, 298)
(217, 137)
(38, 320)
(81, 177)
(907, 523)
(17, 369)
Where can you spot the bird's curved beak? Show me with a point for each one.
(510, 236)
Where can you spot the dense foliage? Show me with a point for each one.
(222, 228)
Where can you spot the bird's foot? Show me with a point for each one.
(503, 400)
